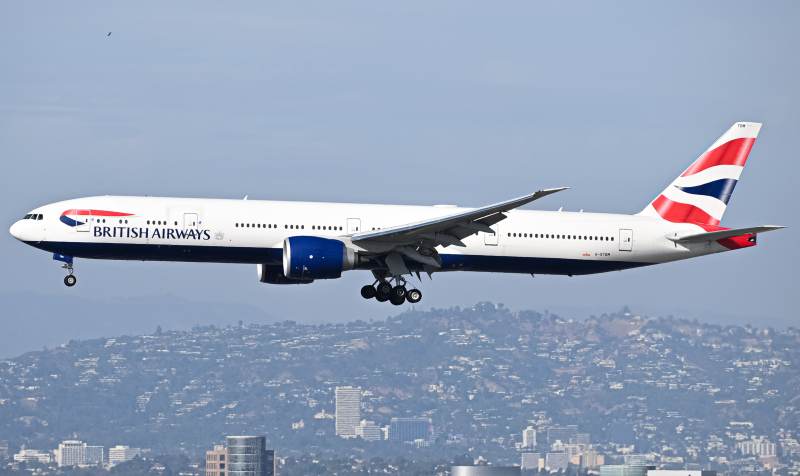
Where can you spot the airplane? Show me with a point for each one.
(300, 242)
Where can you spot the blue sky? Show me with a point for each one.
(410, 103)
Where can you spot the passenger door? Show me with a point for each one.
(491, 239)
(83, 219)
(353, 225)
(625, 240)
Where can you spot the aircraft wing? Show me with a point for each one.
(717, 235)
(449, 230)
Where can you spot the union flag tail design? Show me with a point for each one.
(700, 195)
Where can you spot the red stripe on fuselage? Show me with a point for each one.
(734, 152)
(100, 213)
(676, 212)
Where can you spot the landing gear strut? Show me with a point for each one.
(70, 279)
(382, 290)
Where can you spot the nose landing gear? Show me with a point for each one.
(69, 279)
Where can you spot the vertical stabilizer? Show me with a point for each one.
(700, 195)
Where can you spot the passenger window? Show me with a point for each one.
(237, 225)
(302, 227)
(612, 238)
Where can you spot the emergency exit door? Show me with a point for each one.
(625, 240)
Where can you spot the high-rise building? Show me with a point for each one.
(77, 453)
(530, 461)
(216, 461)
(625, 470)
(556, 461)
(368, 430)
(757, 446)
(589, 459)
(94, 455)
(248, 456)
(564, 434)
(529, 437)
(409, 429)
(348, 411)
(71, 453)
(120, 454)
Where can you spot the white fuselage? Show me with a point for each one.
(253, 231)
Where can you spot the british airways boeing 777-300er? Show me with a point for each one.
(299, 242)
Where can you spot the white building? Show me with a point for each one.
(32, 456)
(368, 430)
(348, 411)
(556, 461)
(758, 446)
(529, 438)
(78, 453)
(120, 454)
(530, 461)
(635, 460)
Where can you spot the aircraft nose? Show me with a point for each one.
(16, 230)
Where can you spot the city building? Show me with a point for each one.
(216, 461)
(29, 456)
(589, 459)
(368, 430)
(662, 472)
(409, 429)
(531, 461)
(248, 456)
(635, 460)
(758, 446)
(485, 471)
(120, 454)
(529, 437)
(78, 453)
(556, 461)
(348, 411)
(565, 434)
(3, 449)
(93, 455)
(624, 470)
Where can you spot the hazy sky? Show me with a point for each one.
(408, 103)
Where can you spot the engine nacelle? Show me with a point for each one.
(311, 257)
(273, 274)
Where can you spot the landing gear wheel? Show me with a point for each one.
(368, 292)
(414, 296)
(398, 292)
(398, 301)
(384, 289)
(70, 280)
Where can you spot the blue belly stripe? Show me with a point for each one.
(221, 254)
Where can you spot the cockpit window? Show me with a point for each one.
(41, 216)
(27, 216)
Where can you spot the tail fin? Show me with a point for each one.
(700, 195)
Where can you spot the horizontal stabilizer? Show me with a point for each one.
(718, 235)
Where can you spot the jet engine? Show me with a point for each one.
(312, 257)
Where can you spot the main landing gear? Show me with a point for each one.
(69, 279)
(383, 291)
